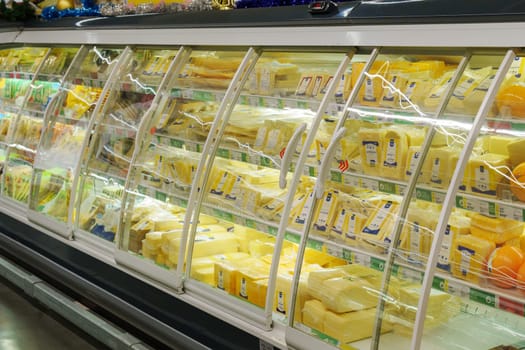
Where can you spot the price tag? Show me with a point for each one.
(518, 214)
(484, 208)
(219, 96)
(351, 181)
(290, 103)
(370, 184)
(438, 197)
(361, 259)
(473, 204)
(271, 102)
(236, 155)
(457, 288)
(187, 94)
(192, 146)
(511, 306)
(334, 250)
(505, 211)
(314, 244)
(254, 101)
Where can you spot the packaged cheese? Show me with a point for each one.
(225, 272)
(438, 164)
(313, 314)
(413, 156)
(470, 257)
(436, 94)
(379, 225)
(352, 326)
(515, 152)
(486, 172)
(325, 213)
(283, 288)
(247, 278)
(372, 88)
(371, 144)
(390, 95)
(343, 294)
(205, 245)
(394, 154)
(457, 225)
(469, 81)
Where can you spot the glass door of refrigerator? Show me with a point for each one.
(48, 66)
(67, 130)
(17, 68)
(164, 168)
(362, 193)
(477, 283)
(250, 177)
(108, 158)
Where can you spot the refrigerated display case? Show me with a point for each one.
(334, 181)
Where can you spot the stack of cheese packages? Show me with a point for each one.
(471, 252)
(274, 76)
(213, 70)
(153, 65)
(341, 303)
(252, 189)
(398, 83)
(18, 179)
(100, 208)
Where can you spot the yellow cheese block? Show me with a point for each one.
(457, 225)
(371, 143)
(390, 96)
(347, 225)
(418, 233)
(372, 88)
(522, 242)
(325, 214)
(261, 247)
(470, 80)
(440, 304)
(498, 225)
(394, 154)
(314, 313)
(486, 173)
(248, 275)
(415, 92)
(379, 225)
(470, 257)
(352, 326)
(498, 144)
(226, 273)
(496, 237)
(257, 291)
(515, 152)
(342, 294)
(205, 245)
(413, 156)
(437, 165)
(282, 293)
(154, 239)
(204, 274)
(437, 92)
(415, 136)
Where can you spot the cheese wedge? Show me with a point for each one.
(394, 154)
(457, 225)
(371, 144)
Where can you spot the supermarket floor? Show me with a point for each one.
(25, 325)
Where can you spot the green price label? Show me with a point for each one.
(311, 171)
(492, 208)
(302, 104)
(272, 230)
(160, 196)
(177, 143)
(141, 189)
(183, 203)
(482, 297)
(460, 202)
(292, 237)
(325, 337)
(336, 176)
(244, 157)
(223, 153)
(377, 264)
(424, 195)
(251, 223)
(312, 243)
(223, 215)
(387, 187)
(439, 283)
(203, 96)
(347, 255)
(518, 126)
(265, 161)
